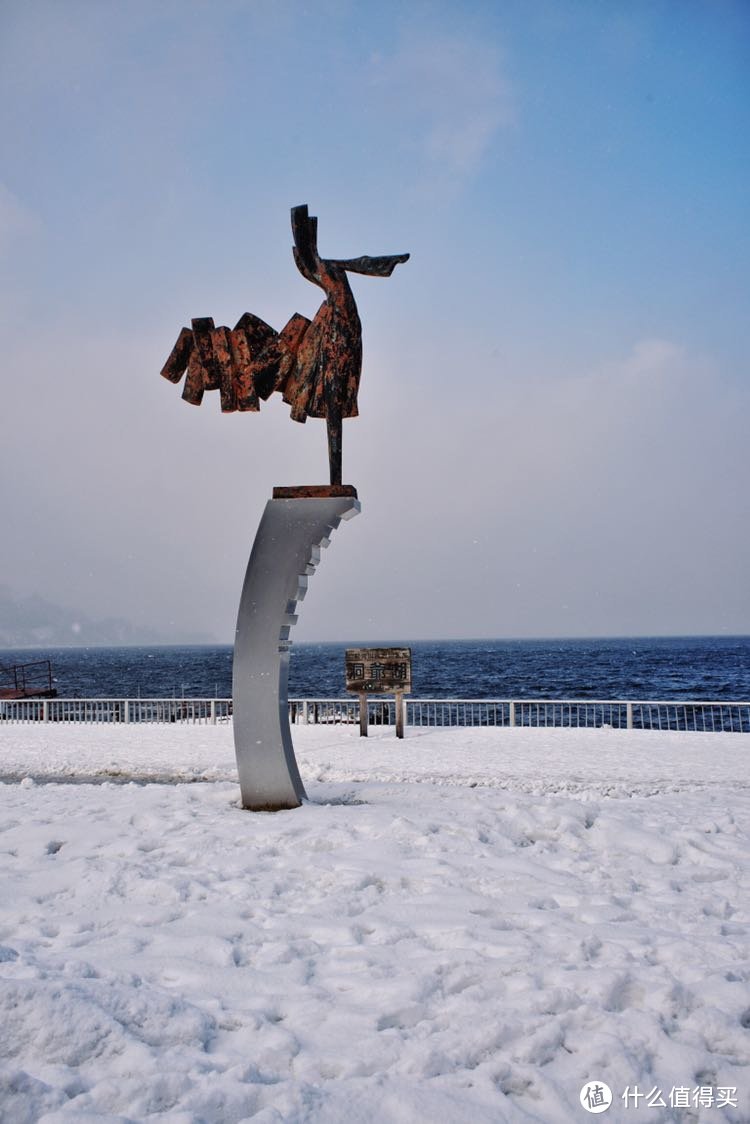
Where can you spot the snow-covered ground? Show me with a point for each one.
(466, 926)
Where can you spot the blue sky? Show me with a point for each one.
(554, 400)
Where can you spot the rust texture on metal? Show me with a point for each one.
(378, 670)
(314, 491)
(315, 365)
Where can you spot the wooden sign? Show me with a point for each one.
(375, 671)
(379, 671)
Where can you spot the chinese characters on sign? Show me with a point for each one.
(378, 670)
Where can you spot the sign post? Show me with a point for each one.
(379, 671)
(400, 711)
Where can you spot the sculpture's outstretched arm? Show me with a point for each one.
(372, 267)
(312, 266)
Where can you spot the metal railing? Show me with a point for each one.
(680, 714)
(21, 679)
(115, 710)
(690, 715)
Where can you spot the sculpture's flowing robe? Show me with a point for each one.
(314, 364)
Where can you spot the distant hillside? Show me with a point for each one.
(30, 622)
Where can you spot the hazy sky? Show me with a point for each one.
(553, 437)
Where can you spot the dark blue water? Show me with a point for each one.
(702, 668)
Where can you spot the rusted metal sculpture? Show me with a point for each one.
(315, 365)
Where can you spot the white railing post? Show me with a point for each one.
(629, 715)
(512, 714)
(213, 712)
(45, 711)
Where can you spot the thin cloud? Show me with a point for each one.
(453, 97)
(653, 358)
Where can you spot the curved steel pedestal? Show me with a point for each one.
(285, 553)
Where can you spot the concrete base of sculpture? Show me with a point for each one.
(284, 555)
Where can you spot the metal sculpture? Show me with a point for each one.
(315, 365)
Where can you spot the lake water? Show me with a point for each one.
(703, 668)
